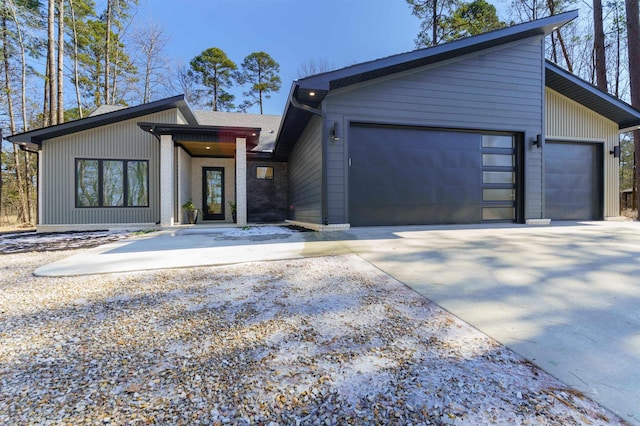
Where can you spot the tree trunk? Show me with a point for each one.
(598, 46)
(107, 61)
(7, 76)
(75, 58)
(23, 66)
(434, 22)
(60, 73)
(633, 46)
(51, 63)
(618, 52)
(27, 191)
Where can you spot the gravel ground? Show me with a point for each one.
(315, 341)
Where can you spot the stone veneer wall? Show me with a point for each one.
(267, 199)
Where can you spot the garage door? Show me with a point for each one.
(405, 176)
(573, 181)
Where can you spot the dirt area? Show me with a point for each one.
(328, 340)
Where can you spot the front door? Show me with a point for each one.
(213, 193)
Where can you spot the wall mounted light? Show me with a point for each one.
(537, 142)
(615, 151)
(336, 131)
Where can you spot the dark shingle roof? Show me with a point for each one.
(268, 124)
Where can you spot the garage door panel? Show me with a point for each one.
(573, 181)
(414, 176)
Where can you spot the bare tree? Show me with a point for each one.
(76, 76)
(51, 63)
(151, 41)
(313, 66)
(184, 81)
(60, 71)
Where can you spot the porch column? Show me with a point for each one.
(241, 180)
(166, 180)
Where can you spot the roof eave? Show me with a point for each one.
(37, 136)
(624, 115)
(324, 82)
(418, 58)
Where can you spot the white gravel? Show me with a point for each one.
(315, 341)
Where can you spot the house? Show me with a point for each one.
(481, 129)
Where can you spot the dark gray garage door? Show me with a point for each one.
(404, 176)
(573, 181)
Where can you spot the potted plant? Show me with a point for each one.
(234, 211)
(192, 212)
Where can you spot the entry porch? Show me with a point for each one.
(204, 164)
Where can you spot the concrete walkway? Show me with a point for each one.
(566, 297)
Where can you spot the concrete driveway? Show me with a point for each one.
(566, 297)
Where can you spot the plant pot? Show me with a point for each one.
(192, 216)
(234, 216)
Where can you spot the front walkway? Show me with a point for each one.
(566, 296)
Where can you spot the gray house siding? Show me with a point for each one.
(305, 174)
(267, 198)
(500, 89)
(122, 141)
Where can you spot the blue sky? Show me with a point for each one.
(342, 32)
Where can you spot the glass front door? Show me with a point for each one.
(213, 193)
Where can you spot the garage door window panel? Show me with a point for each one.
(497, 141)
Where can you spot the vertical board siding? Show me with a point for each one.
(336, 176)
(570, 121)
(122, 141)
(305, 174)
(499, 89)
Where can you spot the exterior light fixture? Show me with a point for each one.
(615, 151)
(336, 131)
(312, 93)
(537, 142)
(208, 147)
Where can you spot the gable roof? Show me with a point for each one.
(33, 138)
(307, 93)
(268, 124)
(586, 94)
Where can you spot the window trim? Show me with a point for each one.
(125, 183)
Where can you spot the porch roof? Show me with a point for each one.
(199, 140)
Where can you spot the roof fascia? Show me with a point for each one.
(594, 91)
(391, 64)
(37, 136)
(169, 129)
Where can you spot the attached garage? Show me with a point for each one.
(477, 130)
(573, 181)
(416, 176)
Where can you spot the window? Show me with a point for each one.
(264, 172)
(112, 183)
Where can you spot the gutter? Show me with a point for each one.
(306, 108)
